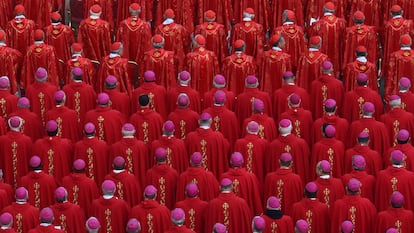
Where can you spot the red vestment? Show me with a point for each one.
(81, 190)
(45, 228)
(61, 37)
(136, 155)
(361, 34)
(112, 214)
(274, 64)
(80, 97)
(279, 7)
(95, 154)
(41, 96)
(284, 224)
(355, 99)
(185, 120)
(162, 63)
(406, 5)
(253, 34)
(213, 147)
(208, 99)
(372, 158)
(222, 8)
(372, 12)
(261, 9)
(309, 67)
(224, 121)
(152, 216)
(206, 181)
(40, 187)
(69, 217)
(39, 55)
(314, 212)
(401, 64)
(12, 62)
(8, 189)
(35, 129)
(323, 88)
(8, 230)
(89, 71)
(107, 11)
(407, 98)
(20, 34)
(193, 97)
(194, 209)
(329, 190)
(119, 101)
(230, 210)
(122, 10)
(56, 155)
(367, 183)
(127, 186)
(68, 124)
(400, 218)
(202, 65)
(285, 185)
(216, 40)
(148, 125)
(6, 10)
(8, 103)
(157, 95)
(395, 120)
(244, 103)
(179, 229)
(118, 67)
(108, 123)
(280, 98)
(314, 9)
(163, 5)
(16, 149)
(332, 150)
(39, 11)
(236, 68)
(394, 179)
(95, 36)
(25, 216)
(267, 126)
(341, 126)
(177, 157)
(301, 121)
(164, 178)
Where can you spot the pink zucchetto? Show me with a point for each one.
(5, 219)
(363, 134)
(397, 156)
(79, 164)
(35, 161)
(252, 127)
(168, 126)
(294, 99)
(225, 182)
(347, 226)
(184, 76)
(219, 81)
(51, 126)
(108, 185)
(191, 190)
(160, 153)
(358, 161)
(330, 103)
(353, 185)
(133, 225)
(285, 157)
(177, 214)
(41, 74)
(21, 193)
(219, 97)
(205, 116)
(259, 223)
(4, 82)
(325, 166)
(119, 161)
(150, 190)
(273, 203)
(327, 65)
(397, 198)
(362, 77)
(368, 107)
(46, 214)
(196, 158)
(128, 129)
(258, 105)
(236, 159)
(403, 135)
(219, 228)
(60, 193)
(15, 122)
(405, 82)
(149, 76)
(111, 80)
(102, 99)
(330, 131)
(311, 187)
(89, 128)
(392, 230)
(59, 96)
(302, 226)
(251, 80)
(23, 102)
(288, 74)
(183, 100)
(92, 223)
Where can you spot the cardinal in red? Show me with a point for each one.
(12, 61)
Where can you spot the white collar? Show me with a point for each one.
(113, 55)
(204, 127)
(3, 44)
(287, 23)
(247, 19)
(405, 48)
(327, 13)
(276, 49)
(38, 42)
(362, 59)
(168, 21)
(397, 17)
(325, 177)
(45, 224)
(313, 49)
(118, 171)
(107, 197)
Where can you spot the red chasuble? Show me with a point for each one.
(39, 11)
(284, 224)
(406, 99)
(35, 129)
(185, 121)
(95, 36)
(236, 68)
(395, 120)
(68, 125)
(309, 67)
(361, 34)
(80, 97)
(356, 98)
(69, 217)
(61, 38)
(341, 126)
(177, 157)
(119, 101)
(301, 121)
(193, 96)
(25, 216)
(277, 11)
(112, 214)
(118, 67)
(399, 218)
(8, 103)
(127, 186)
(152, 216)
(20, 34)
(260, 7)
(223, 9)
(224, 121)
(162, 62)
(372, 158)
(280, 98)
(253, 34)
(401, 64)
(12, 61)
(323, 88)
(243, 105)
(329, 190)
(408, 151)
(367, 183)
(267, 126)
(332, 150)
(314, 212)
(274, 64)
(157, 95)
(148, 125)
(164, 178)
(77, 61)
(372, 12)
(216, 40)
(194, 209)
(41, 98)
(40, 187)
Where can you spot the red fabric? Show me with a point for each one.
(253, 34)
(372, 158)
(400, 65)
(119, 101)
(81, 190)
(323, 88)
(164, 178)
(406, 5)
(56, 155)
(29, 216)
(95, 36)
(127, 187)
(213, 147)
(208, 100)
(193, 96)
(61, 37)
(16, 149)
(406, 98)
(177, 157)
(11, 230)
(395, 217)
(230, 210)
(157, 95)
(243, 105)
(355, 99)
(108, 123)
(364, 35)
(48, 229)
(309, 67)
(372, 12)
(39, 11)
(301, 122)
(314, 212)
(177, 229)
(367, 183)
(222, 8)
(12, 61)
(41, 188)
(122, 10)
(185, 121)
(315, 9)
(69, 217)
(202, 65)
(162, 62)
(329, 190)
(224, 121)
(107, 11)
(206, 181)
(80, 97)
(194, 209)
(148, 125)
(260, 7)
(111, 213)
(267, 126)
(35, 129)
(235, 68)
(280, 98)
(408, 151)
(274, 64)
(8, 103)
(8, 189)
(332, 150)
(41, 96)
(296, 6)
(341, 126)
(6, 9)
(285, 185)
(117, 67)
(95, 154)
(68, 124)
(163, 5)
(152, 216)
(216, 41)
(284, 224)
(89, 73)
(396, 120)
(20, 34)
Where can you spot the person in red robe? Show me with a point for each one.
(164, 178)
(262, 9)
(12, 60)
(212, 145)
(184, 80)
(16, 149)
(92, 225)
(67, 119)
(108, 121)
(25, 216)
(41, 94)
(157, 94)
(34, 130)
(82, 189)
(237, 66)
(39, 184)
(70, 216)
(396, 216)
(293, 35)
(314, 10)
(134, 34)
(6, 222)
(274, 63)
(111, 211)
(176, 152)
(379, 138)
(223, 9)
(127, 185)
(94, 152)
(55, 152)
(6, 8)
(224, 120)
(290, 143)
(8, 101)
(331, 189)
(245, 184)
(46, 222)
(40, 11)
(330, 117)
(6, 188)
(267, 126)
(119, 100)
(178, 219)
(312, 210)
(219, 83)
(133, 226)
(229, 209)
(372, 12)
(20, 30)
(196, 173)
(193, 207)
(329, 148)
(278, 8)
(403, 144)
(147, 121)
(77, 60)
(284, 184)
(406, 94)
(183, 116)
(386, 8)
(94, 34)
(358, 172)
(215, 35)
(38, 55)
(280, 96)
(275, 219)
(153, 216)
(352, 109)
(310, 63)
(327, 86)
(202, 65)
(394, 178)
